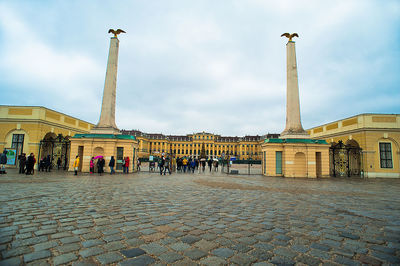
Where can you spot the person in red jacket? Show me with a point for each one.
(127, 165)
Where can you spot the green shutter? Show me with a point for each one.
(265, 162)
(120, 157)
(133, 159)
(278, 162)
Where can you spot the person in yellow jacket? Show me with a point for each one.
(185, 164)
(76, 164)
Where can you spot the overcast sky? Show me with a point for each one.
(191, 66)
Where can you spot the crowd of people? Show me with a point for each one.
(185, 164)
(100, 163)
(27, 164)
(97, 164)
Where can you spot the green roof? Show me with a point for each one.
(306, 141)
(103, 136)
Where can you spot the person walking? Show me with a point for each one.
(203, 164)
(161, 164)
(193, 165)
(48, 163)
(100, 165)
(184, 163)
(3, 162)
(178, 164)
(41, 164)
(216, 162)
(76, 165)
(111, 164)
(91, 165)
(65, 162)
(209, 162)
(29, 164)
(34, 162)
(167, 165)
(123, 165)
(127, 160)
(22, 163)
(58, 163)
(138, 163)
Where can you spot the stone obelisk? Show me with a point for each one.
(106, 123)
(294, 129)
(105, 139)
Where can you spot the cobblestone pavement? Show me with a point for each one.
(208, 219)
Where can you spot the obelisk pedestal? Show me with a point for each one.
(293, 129)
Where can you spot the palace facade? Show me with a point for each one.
(242, 148)
(365, 145)
(39, 130)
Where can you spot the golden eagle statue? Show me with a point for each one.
(290, 36)
(115, 32)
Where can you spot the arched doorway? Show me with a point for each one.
(98, 151)
(345, 159)
(300, 164)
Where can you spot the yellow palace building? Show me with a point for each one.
(242, 148)
(39, 130)
(365, 145)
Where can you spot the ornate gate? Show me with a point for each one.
(56, 147)
(345, 159)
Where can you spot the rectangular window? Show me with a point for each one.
(18, 143)
(278, 156)
(385, 151)
(120, 157)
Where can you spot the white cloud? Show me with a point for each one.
(30, 62)
(213, 66)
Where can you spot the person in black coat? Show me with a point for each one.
(209, 162)
(58, 163)
(22, 162)
(100, 165)
(111, 164)
(30, 163)
(47, 163)
(3, 162)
